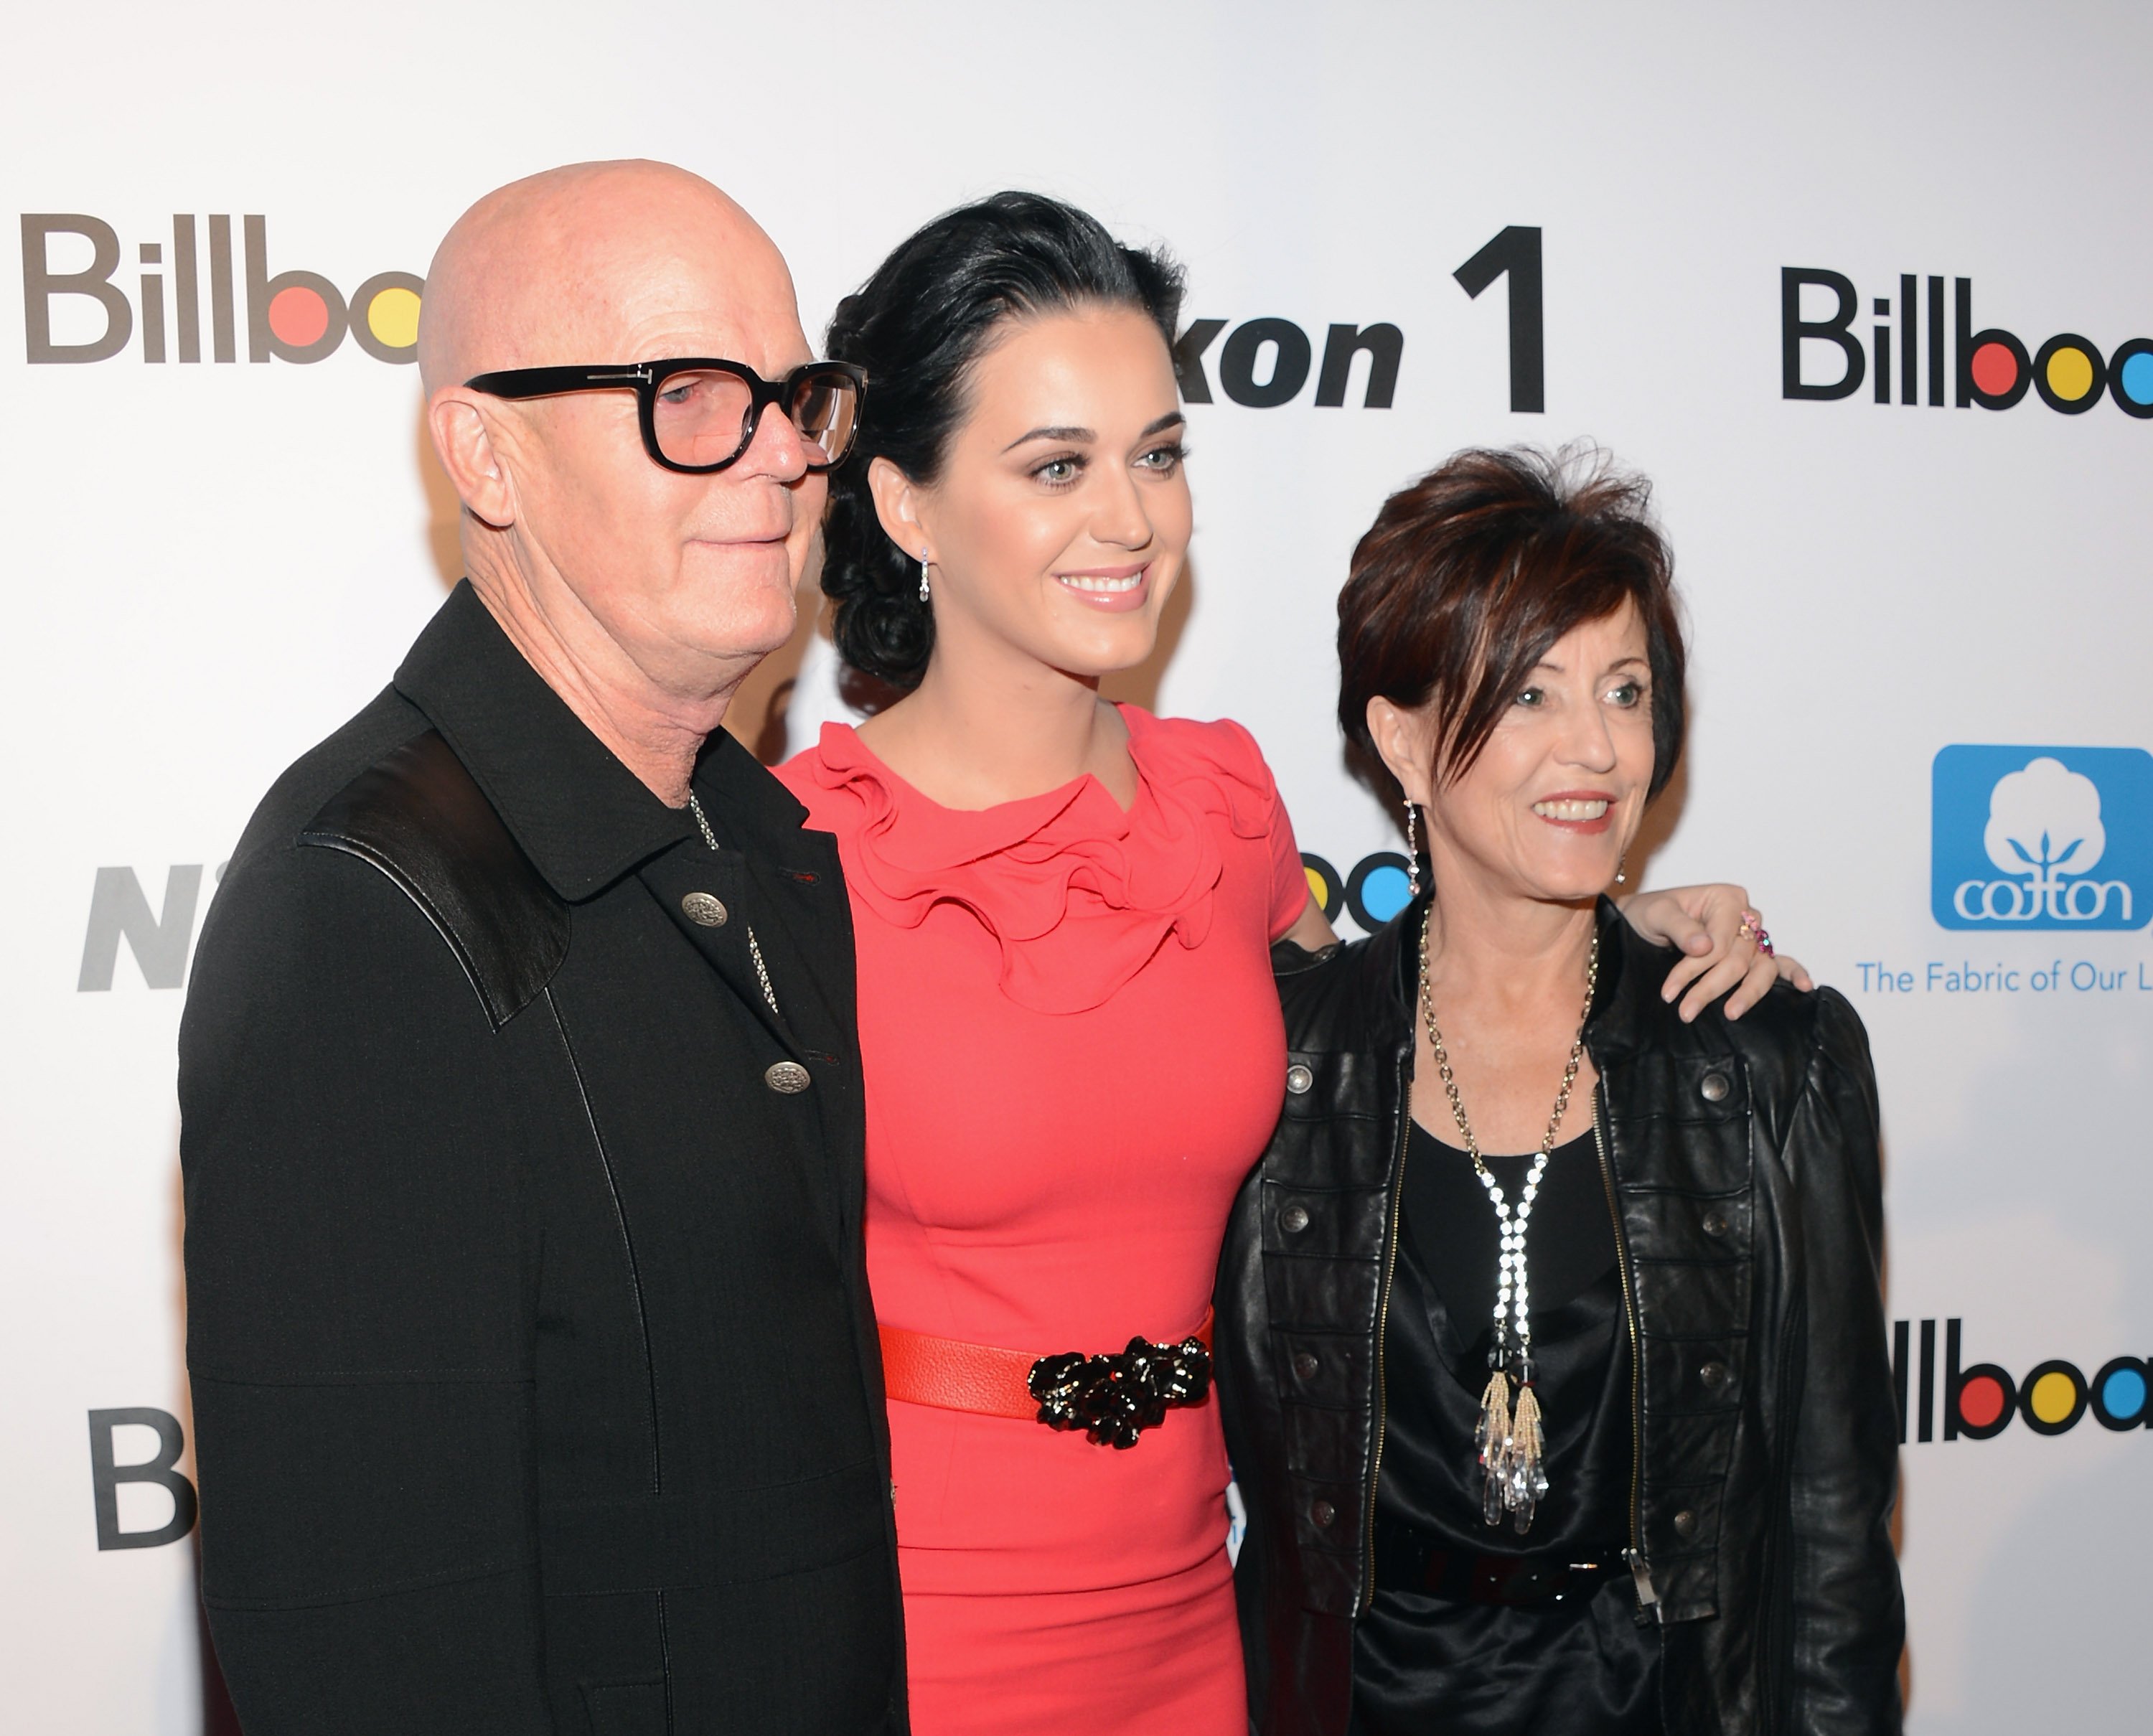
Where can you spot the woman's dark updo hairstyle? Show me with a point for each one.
(918, 326)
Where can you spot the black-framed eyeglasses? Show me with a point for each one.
(699, 413)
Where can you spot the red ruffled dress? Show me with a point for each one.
(1073, 1055)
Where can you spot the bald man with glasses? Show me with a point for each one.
(533, 1367)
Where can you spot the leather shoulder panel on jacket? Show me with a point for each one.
(1290, 958)
(1348, 996)
(418, 816)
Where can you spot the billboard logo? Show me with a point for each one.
(293, 316)
(1379, 886)
(162, 1471)
(1979, 1401)
(1824, 357)
(2042, 838)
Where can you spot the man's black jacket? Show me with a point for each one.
(1741, 1160)
(533, 1369)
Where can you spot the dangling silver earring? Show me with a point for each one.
(1412, 846)
(923, 575)
(1622, 869)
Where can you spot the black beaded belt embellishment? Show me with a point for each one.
(1114, 1398)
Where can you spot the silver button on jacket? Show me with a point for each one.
(787, 1077)
(704, 909)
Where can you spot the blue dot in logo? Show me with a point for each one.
(2137, 379)
(2123, 1394)
(1386, 891)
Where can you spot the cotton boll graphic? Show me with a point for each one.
(2045, 820)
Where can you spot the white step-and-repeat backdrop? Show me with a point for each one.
(1869, 292)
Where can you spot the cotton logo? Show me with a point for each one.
(2018, 834)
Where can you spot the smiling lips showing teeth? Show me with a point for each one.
(1571, 808)
(1110, 590)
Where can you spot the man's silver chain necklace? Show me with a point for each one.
(754, 947)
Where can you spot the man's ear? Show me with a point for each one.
(467, 454)
(1402, 738)
(896, 504)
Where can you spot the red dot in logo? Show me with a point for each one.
(1995, 371)
(298, 317)
(1980, 1399)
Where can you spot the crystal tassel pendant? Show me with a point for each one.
(1492, 1436)
(1527, 1482)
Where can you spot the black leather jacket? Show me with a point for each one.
(1741, 1161)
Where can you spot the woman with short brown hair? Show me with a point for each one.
(1594, 1438)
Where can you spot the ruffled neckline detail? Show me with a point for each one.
(1078, 895)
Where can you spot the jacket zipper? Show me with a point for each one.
(1383, 1322)
(1641, 1571)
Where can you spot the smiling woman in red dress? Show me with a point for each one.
(1072, 1049)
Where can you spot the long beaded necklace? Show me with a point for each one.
(1511, 1442)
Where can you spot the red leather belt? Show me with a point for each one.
(950, 1375)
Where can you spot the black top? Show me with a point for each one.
(1581, 1667)
(534, 1378)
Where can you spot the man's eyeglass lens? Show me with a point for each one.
(700, 415)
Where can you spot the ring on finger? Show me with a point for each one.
(1752, 923)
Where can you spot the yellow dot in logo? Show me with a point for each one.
(394, 320)
(2070, 374)
(2052, 1397)
(1319, 888)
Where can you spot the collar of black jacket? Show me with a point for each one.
(581, 816)
(1385, 980)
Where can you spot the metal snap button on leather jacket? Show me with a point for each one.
(1742, 1171)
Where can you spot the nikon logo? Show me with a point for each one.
(71, 268)
(1265, 362)
(160, 940)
